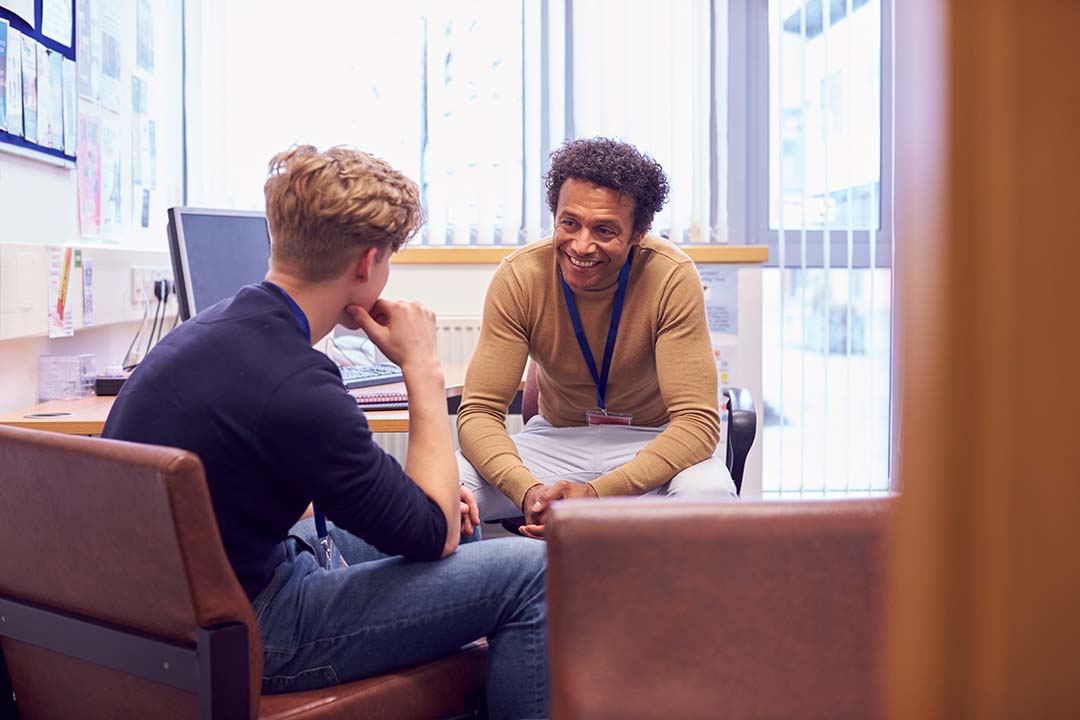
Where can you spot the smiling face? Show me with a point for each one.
(593, 234)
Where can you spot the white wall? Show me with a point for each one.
(23, 315)
(19, 359)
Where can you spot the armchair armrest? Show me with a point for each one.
(742, 429)
(661, 609)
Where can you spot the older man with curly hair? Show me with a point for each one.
(614, 319)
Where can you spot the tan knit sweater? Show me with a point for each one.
(662, 369)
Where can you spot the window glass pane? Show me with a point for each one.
(282, 87)
(827, 429)
(646, 72)
(433, 88)
(473, 110)
(825, 114)
(467, 98)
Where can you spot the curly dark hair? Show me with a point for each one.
(615, 165)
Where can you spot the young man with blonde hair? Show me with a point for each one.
(240, 385)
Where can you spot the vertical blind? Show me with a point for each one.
(646, 72)
(827, 304)
(467, 97)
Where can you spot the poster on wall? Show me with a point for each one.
(14, 83)
(726, 356)
(29, 88)
(111, 63)
(140, 103)
(55, 118)
(22, 8)
(88, 292)
(144, 208)
(56, 17)
(140, 95)
(720, 284)
(60, 322)
(144, 35)
(70, 94)
(89, 171)
(3, 73)
(44, 96)
(111, 194)
(88, 49)
(151, 138)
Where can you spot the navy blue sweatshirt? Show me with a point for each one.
(240, 386)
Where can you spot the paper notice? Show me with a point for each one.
(88, 292)
(60, 323)
(721, 286)
(56, 19)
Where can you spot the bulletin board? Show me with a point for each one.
(126, 121)
(55, 135)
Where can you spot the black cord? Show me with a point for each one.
(164, 312)
(138, 332)
(150, 338)
(171, 289)
(176, 317)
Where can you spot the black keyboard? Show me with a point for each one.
(367, 375)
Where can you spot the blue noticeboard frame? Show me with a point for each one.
(22, 26)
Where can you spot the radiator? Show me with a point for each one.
(457, 336)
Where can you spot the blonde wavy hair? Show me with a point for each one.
(324, 206)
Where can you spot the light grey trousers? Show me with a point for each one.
(582, 454)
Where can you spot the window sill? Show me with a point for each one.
(492, 255)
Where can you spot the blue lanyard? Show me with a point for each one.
(601, 378)
(298, 313)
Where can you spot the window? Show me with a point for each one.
(467, 98)
(777, 134)
(825, 115)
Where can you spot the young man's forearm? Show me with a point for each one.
(430, 461)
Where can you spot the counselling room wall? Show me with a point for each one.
(39, 208)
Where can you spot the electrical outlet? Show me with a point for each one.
(160, 274)
(138, 288)
(142, 282)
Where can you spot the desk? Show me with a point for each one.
(86, 416)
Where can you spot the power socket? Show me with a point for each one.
(142, 282)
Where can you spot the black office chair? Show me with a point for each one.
(742, 428)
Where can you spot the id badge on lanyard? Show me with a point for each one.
(597, 417)
(327, 554)
(600, 416)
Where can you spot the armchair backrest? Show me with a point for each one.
(662, 609)
(119, 534)
(530, 395)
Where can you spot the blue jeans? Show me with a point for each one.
(383, 613)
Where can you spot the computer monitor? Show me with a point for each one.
(215, 253)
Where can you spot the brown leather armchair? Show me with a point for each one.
(117, 600)
(669, 609)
